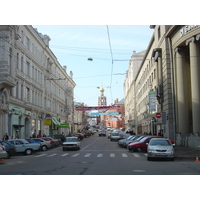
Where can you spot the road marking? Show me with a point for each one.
(139, 170)
(136, 155)
(65, 154)
(75, 155)
(124, 155)
(99, 155)
(52, 155)
(112, 155)
(88, 155)
(41, 155)
(89, 144)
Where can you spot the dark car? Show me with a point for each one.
(80, 136)
(10, 149)
(102, 133)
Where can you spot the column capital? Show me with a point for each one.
(192, 39)
(198, 37)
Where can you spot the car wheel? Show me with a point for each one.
(8, 155)
(44, 148)
(28, 152)
(138, 149)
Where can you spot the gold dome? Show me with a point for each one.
(101, 90)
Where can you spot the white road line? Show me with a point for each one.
(99, 155)
(75, 155)
(89, 144)
(124, 155)
(52, 155)
(65, 154)
(112, 155)
(88, 155)
(136, 155)
(41, 155)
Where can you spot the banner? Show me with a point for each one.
(110, 113)
(97, 108)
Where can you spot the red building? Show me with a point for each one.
(115, 120)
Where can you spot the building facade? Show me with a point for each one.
(36, 93)
(167, 87)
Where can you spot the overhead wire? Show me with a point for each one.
(108, 33)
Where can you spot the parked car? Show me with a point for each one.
(60, 137)
(53, 142)
(23, 146)
(136, 138)
(102, 133)
(3, 153)
(44, 145)
(80, 136)
(71, 143)
(10, 149)
(122, 142)
(160, 148)
(86, 134)
(141, 145)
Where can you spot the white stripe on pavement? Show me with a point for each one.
(40, 155)
(99, 155)
(124, 155)
(112, 155)
(136, 155)
(75, 155)
(65, 154)
(88, 155)
(52, 155)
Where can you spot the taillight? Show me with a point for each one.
(51, 142)
(3, 148)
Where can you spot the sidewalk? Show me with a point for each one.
(186, 152)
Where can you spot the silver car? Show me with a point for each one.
(160, 148)
(3, 153)
(24, 146)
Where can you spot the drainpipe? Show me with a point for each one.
(173, 96)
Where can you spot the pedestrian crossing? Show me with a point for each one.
(98, 155)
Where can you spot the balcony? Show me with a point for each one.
(6, 80)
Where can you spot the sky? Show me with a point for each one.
(109, 46)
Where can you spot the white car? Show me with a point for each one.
(71, 143)
(160, 148)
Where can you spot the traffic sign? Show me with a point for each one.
(158, 115)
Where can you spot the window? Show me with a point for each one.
(27, 95)
(28, 68)
(159, 33)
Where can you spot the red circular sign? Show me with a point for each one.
(158, 115)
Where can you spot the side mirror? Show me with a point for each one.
(173, 145)
(147, 144)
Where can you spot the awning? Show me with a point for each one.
(63, 125)
(55, 121)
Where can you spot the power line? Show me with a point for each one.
(112, 61)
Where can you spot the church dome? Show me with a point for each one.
(101, 90)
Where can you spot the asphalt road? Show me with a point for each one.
(98, 156)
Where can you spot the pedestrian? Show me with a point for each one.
(6, 137)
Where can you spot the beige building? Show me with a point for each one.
(35, 89)
(167, 85)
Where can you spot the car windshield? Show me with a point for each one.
(115, 134)
(71, 139)
(160, 143)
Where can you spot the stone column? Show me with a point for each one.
(195, 83)
(181, 100)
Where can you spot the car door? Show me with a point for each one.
(20, 146)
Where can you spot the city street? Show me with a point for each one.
(98, 156)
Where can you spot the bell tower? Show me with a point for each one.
(102, 98)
